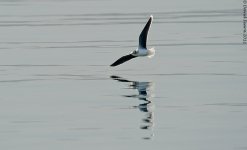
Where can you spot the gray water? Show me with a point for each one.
(57, 90)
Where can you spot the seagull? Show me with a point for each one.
(142, 50)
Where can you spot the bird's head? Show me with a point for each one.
(135, 53)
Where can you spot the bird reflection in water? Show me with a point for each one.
(145, 95)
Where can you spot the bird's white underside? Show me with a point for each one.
(144, 52)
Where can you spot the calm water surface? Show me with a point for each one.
(57, 90)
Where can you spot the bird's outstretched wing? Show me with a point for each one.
(144, 34)
(122, 60)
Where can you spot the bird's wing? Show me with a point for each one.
(122, 60)
(144, 34)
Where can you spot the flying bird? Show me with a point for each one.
(142, 50)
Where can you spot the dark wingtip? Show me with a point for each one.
(112, 65)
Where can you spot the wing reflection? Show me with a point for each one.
(144, 94)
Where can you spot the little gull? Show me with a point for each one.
(142, 48)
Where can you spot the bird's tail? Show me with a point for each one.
(151, 52)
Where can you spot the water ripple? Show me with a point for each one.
(41, 20)
(196, 74)
(19, 80)
(228, 104)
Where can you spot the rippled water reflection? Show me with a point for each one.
(146, 105)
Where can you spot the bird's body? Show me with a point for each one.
(142, 47)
